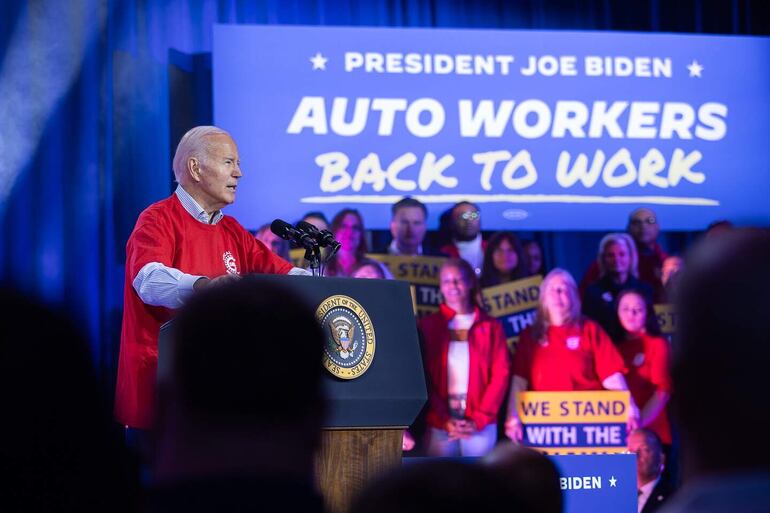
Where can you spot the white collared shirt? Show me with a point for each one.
(646, 491)
(472, 252)
(195, 210)
(393, 249)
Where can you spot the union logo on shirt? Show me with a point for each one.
(573, 342)
(230, 264)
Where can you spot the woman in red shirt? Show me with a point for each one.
(564, 351)
(467, 364)
(646, 356)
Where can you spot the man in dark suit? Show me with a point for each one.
(650, 461)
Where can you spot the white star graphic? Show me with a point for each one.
(319, 61)
(695, 69)
(613, 481)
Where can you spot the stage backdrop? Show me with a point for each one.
(96, 96)
(545, 130)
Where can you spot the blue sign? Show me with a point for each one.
(542, 129)
(595, 483)
(583, 435)
(598, 483)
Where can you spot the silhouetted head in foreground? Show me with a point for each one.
(528, 475)
(243, 395)
(721, 353)
(59, 448)
(445, 485)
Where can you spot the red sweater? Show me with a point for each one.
(646, 359)
(166, 233)
(489, 372)
(574, 357)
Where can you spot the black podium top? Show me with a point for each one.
(391, 391)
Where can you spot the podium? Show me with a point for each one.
(368, 409)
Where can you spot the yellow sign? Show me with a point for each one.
(513, 304)
(297, 257)
(416, 269)
(422, 273)
(574, 422)
(666, 318)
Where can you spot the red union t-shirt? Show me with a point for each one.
(573, 357)
(165, 232)
(646, 358)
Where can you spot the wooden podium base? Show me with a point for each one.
(348, 459)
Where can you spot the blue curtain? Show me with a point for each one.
(94, 95)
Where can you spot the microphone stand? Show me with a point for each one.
(332, 250)
(320, 239)
(306, 237)
(313, 256)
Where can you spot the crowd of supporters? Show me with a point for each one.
(221, 446)
(602, 334)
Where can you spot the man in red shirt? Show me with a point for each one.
(179, 245)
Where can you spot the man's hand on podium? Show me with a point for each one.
(219, 280)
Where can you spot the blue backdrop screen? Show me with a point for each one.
(544, 130)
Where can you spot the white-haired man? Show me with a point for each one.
(181, 244)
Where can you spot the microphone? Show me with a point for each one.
(287, 232)
(324, 238)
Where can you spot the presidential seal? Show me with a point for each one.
(349, 343)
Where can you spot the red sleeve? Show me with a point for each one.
(151, 241)
(659, 374)
(261, 259)
(438, 408)
(522, 359)
(494, 394)
(607, 359)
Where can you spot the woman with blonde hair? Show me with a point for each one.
(619, 269)
(564, 351)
